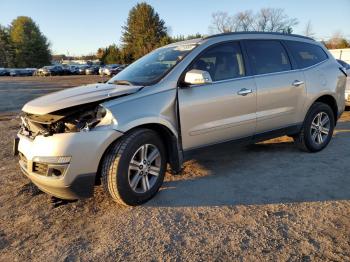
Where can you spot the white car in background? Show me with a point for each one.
(109, 70)
(347, 90)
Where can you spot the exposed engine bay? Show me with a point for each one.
(74, 119)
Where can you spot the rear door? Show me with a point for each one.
(280, 88)
(218, 111)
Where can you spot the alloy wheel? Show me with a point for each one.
(144, 168)
(320, 127)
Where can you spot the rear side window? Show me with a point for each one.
(223, 61)
(306, 54)
(267, 56)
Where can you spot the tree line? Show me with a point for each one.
(265, 20)
(23, 45)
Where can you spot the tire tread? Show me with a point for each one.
(300, 139)
(110, 166)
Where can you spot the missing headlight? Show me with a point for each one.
(84, 121)
(76, 119)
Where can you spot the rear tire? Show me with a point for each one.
(133, 168)
(317, 129)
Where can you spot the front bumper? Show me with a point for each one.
(81, 187)
(77, 179)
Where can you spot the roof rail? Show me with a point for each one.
(258, 32)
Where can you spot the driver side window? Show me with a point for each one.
(223, 61)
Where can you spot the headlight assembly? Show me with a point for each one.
(87, 119)
(82, 118)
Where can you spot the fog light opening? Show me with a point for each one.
(56, 172)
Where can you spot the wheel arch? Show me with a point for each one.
(170, 141)
(331, 101)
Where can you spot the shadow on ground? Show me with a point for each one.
(266, 173)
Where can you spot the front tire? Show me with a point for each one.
(317, 129)
(133, 168)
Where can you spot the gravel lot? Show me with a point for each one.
(267, 201)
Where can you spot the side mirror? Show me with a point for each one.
(197, 77)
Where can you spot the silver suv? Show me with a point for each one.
(179, 98)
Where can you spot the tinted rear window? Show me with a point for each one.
(306, 54)
(223, 61)
(267, 56)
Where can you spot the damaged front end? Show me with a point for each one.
(72, 110)
(74, 119)
(64, 135)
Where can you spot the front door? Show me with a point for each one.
(224, 109)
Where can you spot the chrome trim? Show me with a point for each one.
(222, 126)
(222, 81)
(242, 137)
(231, 79)
(260, 75)
(244, 92)
(294, 70)
(297, 83)
(306, 68)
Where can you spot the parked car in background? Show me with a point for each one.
(180, 98)
(44, 71)
(30, 71)
(110, 70)
(73, 69)
(22, 71)
(13, 72)
(4, 72)
(65, 69)
(119, 69)
(50, 70)
(82, 69)
(100, 70)
(92, 70)
(347, 90)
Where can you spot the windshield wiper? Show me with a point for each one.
(121, 82)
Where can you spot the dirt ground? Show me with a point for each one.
(267, 201)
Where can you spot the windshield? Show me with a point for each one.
(153, 66)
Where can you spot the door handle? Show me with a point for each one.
(244, 92)
(297, 83)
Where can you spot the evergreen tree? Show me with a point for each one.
(31, 46)
(113, 55)
(183, 38)
(110, 55)
(7, 52)
(144, 31)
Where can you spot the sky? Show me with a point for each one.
(80, 27)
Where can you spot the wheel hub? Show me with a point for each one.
(320, 127)
(144, 168)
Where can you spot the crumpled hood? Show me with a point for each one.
(76, 96)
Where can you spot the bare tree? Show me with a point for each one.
(265, 20)
(308, 30)
(273, 20)
(244, 20)
(262, 20)
(221, 23)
